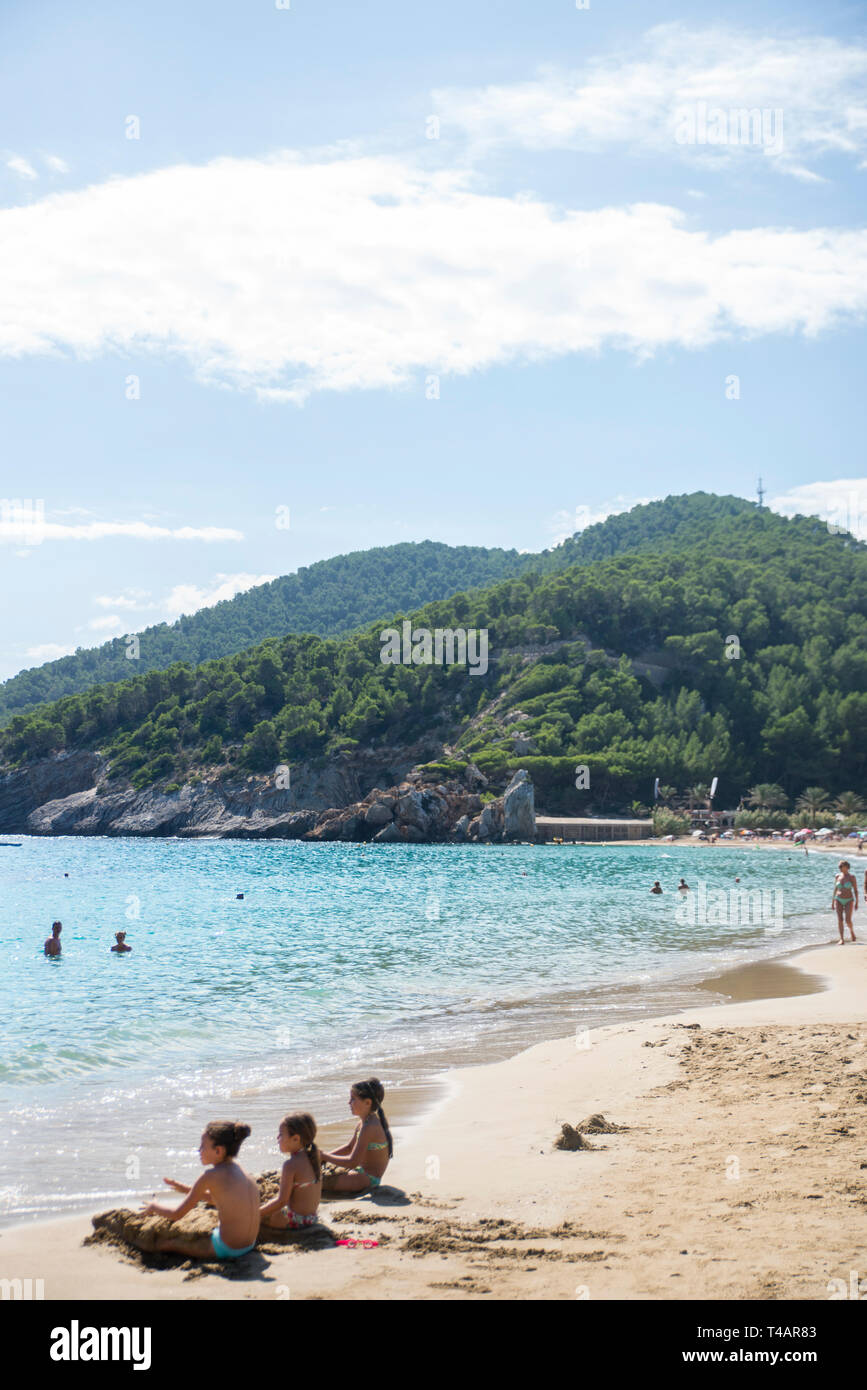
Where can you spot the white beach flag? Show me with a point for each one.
(656, 788)
(713, 788)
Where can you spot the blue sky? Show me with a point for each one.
(410, 271)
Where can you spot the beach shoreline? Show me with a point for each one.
(482, 1151)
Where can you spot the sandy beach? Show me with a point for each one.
(737, 1171)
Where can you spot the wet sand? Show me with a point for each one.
(737, 1173)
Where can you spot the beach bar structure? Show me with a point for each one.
(579, 828)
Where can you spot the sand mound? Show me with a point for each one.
(142, 1231)
(134, 1236)
(597, 1124)
(570, 1139)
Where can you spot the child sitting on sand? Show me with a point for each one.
(368, 1152)
(227, 1187)
(296, 1204)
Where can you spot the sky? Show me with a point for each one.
(280, 281)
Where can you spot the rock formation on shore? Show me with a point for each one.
(69, 795)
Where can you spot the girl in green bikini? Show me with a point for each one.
(367, 1154)
(845, 898)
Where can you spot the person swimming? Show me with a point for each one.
(297, 1202)
(52, 946)
(369, 1150)
(683, 886)
(227, 1187)
(120, 938)
(656, 886)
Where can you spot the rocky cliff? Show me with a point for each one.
(68, 795)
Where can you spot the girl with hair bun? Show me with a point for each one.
(297, 1202)
(227, 1187)
(367, 1154)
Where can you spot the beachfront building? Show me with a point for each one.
(575, 828)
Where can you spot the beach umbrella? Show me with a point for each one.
(824, 831)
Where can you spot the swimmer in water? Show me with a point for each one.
(683, 886)
(52, 946)
(656, 887)
(120, 938)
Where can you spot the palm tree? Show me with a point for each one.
(812, 799)
(667, 795)
(849, 803)
(768, 796)
(698, 793)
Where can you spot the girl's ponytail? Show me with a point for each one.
(374, 1091)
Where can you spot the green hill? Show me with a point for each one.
(329, 598)
(347, 592)
(627, 664)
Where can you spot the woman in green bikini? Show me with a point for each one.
(367, 1154)
(845, 898)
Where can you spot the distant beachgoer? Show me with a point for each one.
(683, 886)
(297, 1203)
(239, 897)
(228, 1188)
(120, 938)
(844, 898)
(656, 886)
(368, 1152)
(52, 946)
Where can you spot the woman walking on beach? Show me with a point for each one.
(844, 899)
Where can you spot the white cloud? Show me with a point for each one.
(564, 524)
(189, 598)
(55, 163)
(107, 624)
(182, 598)
(49, 651)
(289, 276)
(841, 502)
(132, 599)
(639, 98)
(26, 520)
(22, 167)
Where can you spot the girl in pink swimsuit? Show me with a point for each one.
(297, 1202)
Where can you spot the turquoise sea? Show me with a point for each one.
(341, 961)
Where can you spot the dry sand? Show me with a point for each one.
(738, 1169)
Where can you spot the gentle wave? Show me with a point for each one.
(341, 959)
